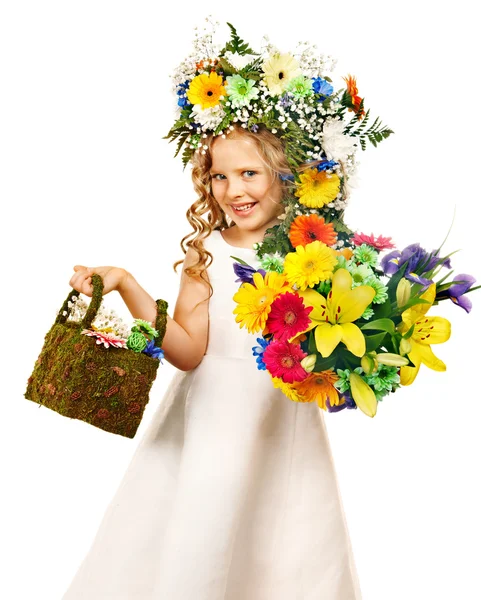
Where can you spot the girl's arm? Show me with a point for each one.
(186, 336)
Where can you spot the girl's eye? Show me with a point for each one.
(219, 176)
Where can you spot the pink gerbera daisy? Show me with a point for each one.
(107, 339)
(283, 360)
(288, 316)
(380, 243)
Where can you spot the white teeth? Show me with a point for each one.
(245, 207)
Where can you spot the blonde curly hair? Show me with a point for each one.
(205, 215)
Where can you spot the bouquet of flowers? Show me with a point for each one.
(346, 327)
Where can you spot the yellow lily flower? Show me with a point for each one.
(333, 317)
(363, 395)
(427, 331)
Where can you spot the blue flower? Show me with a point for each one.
(258, 352)
(245, 273)
(154, 351)
(254, 128)
(286, 177)
(322, 87)
(326, 164)
(182, 93)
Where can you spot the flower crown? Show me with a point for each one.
(291, 95)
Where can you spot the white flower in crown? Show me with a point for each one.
(335, 144)
(239, 61)
(279, 69)
(208, 118)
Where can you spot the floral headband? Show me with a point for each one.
(292, 96)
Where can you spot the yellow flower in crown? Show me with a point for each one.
(333, 317)
(309, 264)
(427, 331)
(206, 90)
(254, 300)
(317, 188)
(279, 69)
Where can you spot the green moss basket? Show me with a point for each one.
(78, 378)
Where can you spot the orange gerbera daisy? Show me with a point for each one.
(319, 387)
(309, 228)
(353, 92)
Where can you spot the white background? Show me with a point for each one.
(87, 178)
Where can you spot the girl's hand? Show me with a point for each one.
(113, 277)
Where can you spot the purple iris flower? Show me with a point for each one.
(245, 273)
(258, 352)
(285, 100)
(322, 87)
(418, 261)
(458, 290)
(334, 408)
(348, 403)
(152, 350)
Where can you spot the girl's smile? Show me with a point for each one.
(245, 188)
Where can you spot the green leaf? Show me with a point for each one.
(382, 324)
(236, 45)
(373, 342)
(312, 343)
(227, 68)
(243, 262)
(324, 364)
(382, 310)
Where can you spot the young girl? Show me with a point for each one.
(232, 492)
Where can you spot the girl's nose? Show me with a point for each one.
(235, 189)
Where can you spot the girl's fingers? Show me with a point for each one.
(79, 267)
(82, 282)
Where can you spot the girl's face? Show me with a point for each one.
(240, 179)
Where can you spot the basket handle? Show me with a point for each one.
(98, 286)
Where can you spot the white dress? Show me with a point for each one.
(231, 493)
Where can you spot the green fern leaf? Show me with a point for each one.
(227, 68)
(236, 45)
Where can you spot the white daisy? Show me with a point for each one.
(209, 118)
(336, 145)
(239, 61)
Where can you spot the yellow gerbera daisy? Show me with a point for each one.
(317, 188)
(254, 300)
(309, 264)
(289, 390)
(206, 90)
(279, 69)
